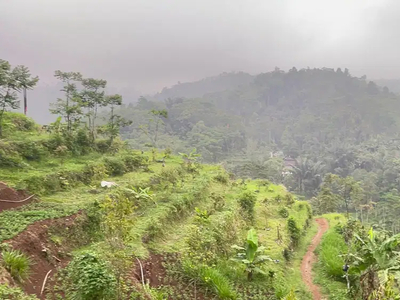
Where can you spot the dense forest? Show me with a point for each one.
(229, 216)
(326, 121)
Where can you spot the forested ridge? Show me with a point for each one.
(329, 121)
(163, 226)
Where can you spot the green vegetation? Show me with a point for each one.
(251, 255)
(294, 128)
(13, 293)
(17, 263)
(187, 229)
(188, 214)
(89, 278)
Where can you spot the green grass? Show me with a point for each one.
(7, 292)
(212, 279)
(329, 253)
(15, 221)
(165, 224)
(328, 270)
(17, 263)
(293, 273)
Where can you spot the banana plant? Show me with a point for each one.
(141, 194)
(376, 260)
(251, 255)
(190, 158)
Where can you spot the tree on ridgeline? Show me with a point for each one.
(13, 81)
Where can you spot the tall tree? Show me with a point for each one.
(115, 121)
(152, 129)
(92, 98)
(13, 81)
(69, 108)
(345, 192)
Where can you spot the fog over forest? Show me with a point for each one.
(214, 149)
(146, 45)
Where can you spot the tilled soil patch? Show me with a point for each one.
(10, 198)
(44, 254)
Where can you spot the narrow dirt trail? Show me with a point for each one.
(309, 259)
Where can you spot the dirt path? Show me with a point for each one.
(310, 258)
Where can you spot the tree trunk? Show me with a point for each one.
(1, 120)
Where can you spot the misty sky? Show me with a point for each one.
(149, 44)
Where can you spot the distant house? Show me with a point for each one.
(289, 162)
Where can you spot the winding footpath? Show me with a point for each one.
(309, 259)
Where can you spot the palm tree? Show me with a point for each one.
(308, 175)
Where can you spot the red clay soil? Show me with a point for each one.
(10, 198)
(154, 271)
(309, 259)
(45, 255)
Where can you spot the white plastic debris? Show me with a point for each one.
(107, 184)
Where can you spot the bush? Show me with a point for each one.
(278, 198)
(89, 278)
(247, 201)
(289, 199)
(20, 122)
(14, 293)
(115, 166)
(287, 254)
(17, 263)
(55, 141)
(7, 161)
(31, 150)
(134, 161)
(218, 201)
(294, 232)
(82, 142)
(283, 212)
(94, 172)
(102, 146)
(222, 178)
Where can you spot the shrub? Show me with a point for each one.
(167, 152)
(94, 172)
(283, 212)
(294, 232)
(54, 141)
(8, 161)
(17, 263)
(287, 254)
(20, 122)
(278, 198)
(30, 150)
(218, 201)
(247, 201)
(115, 166)
(102, 146)
(82, 141)
(210, 240)
(134, 161)
(309, 211)
(222, 178)
(14, 293)
(90, 278)
(289, 199)
(169, 175)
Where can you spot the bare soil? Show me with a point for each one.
(309, 259)
(44, 254)
(10, 198)
(154, 272)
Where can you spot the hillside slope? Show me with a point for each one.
(175, 217)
